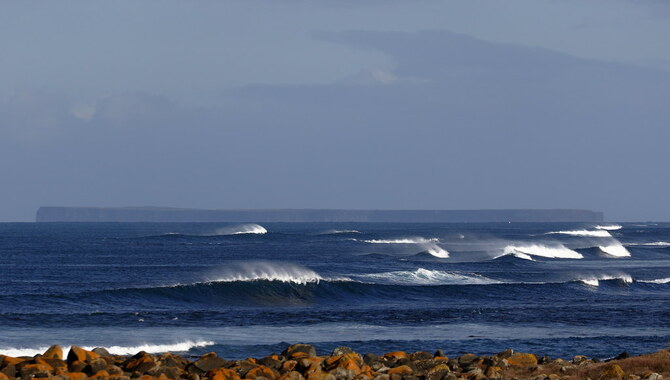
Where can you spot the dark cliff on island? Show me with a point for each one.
(162, 214)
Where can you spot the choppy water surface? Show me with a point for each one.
(248, 290)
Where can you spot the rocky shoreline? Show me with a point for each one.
(301, 362)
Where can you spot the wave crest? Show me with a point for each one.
(609, 227)
(595, 280)
(241, 229)
(417, 240)
(584, 233)
(549, 251)
(115, 350)
(615, 250)
(269, 271)
(423, 276)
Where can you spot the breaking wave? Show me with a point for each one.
(652, 244)
(268, 271)
(241, 230)
(418, 240)
(423, 276)
(548, 251)
(609, 227)
(436, 251)
(615, 250)
(595, 280)
(115, 350)
(657, 281)
(585, 233)
(339, 232)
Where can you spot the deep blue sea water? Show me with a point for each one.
(248, 290)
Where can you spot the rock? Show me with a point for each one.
(505, 354)
(79, 354)
(54, 352)
(475, 374)
(494, 372)
(343, 374)
(467, 360)
(261, 371)
(76, 366)
(544, 360)
(438, 372)
(100, 375)
(578, 359)
(395, 356)
(35, 370)
(370, 358)
(291, 375)
(652, 376)
(142, 364)
(341, 351)
(439, 353)
(612, 372)
(299, 351)
(222, 374)
(522, 360)
(98, 365)
(400, 370)
(206, 363)
(271, 361)
(76, 376)
(420, 355)
(383, 376)
(101, 351)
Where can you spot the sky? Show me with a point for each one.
(361, 104)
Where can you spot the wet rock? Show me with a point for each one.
(612, 372)
(439, 353)
(299, 351)
(522, 360)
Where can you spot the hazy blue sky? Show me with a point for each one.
(336, 104)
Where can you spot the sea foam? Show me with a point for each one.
(615, 250)
(115, 350)
(241, 229)
(423, 276)
(415, 240)
(595, 280)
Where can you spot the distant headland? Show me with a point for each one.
(165, 214)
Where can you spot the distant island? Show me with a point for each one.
(165, 214)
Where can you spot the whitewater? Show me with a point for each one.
(246, 289)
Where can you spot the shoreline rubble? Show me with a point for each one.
(301, 362)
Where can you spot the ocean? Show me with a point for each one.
(246, 290)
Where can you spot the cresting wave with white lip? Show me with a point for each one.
(423, 276)
(550, 251)
(241, 230)
(115, 350)
(268, 271)
(615, 250)
(436, 251)
(609, 227)
(595, 280)
(585, 233)
(416, 240)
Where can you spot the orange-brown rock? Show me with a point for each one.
(206, 363)
(54, 352)
(288, 366)
(223, 374)
(291, 375)
(438, 372)
(141, 364)
(522, 360)
(261, 371)
(76, 376)
(396, 355)
(8, 360)
(3, 376)
(100, 375)
(494, 372)
(612, 372)
(162, 377)
(35, 370)
(76, 366)
(400, 370)
(299, 351)
(321, 376)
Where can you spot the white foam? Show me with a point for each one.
(335, 232)
(589, 233)
(609, 227)
(416, 240)
(549, 251)
(267, 270)
(242, 229)
(423, 276)
(657, 281)
(116, 350)
(652, 244)
(616, 250)
(595, 280)
(437, 251)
